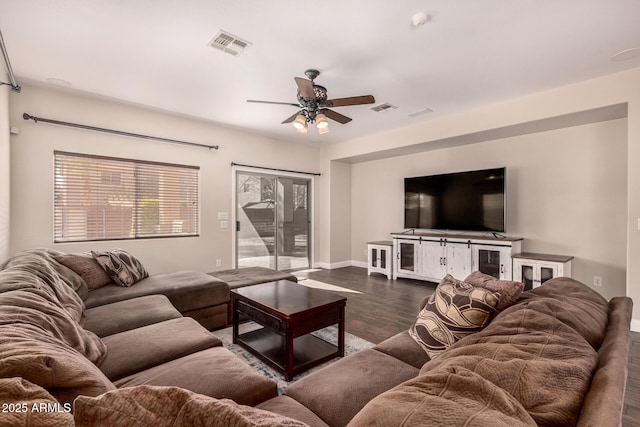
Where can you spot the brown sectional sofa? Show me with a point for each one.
(194, 294)
(558, 356)
(49, 339)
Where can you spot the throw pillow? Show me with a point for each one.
(121, 266)
(509, 290)
(456, 309)
(158, 406)
(86, 267)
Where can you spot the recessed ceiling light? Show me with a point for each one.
(58, 82)
(627, 54)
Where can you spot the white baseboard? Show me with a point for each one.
(635, 325)
(331, 266)
(361, 264)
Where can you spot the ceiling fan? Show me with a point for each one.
(315, 107)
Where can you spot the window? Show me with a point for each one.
(106, 198)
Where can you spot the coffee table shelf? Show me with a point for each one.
(308, 350)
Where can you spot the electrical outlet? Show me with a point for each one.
(218, 263)
(597, 281)
(224, 224)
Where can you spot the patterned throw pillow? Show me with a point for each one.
(456, 309)
(121, 266)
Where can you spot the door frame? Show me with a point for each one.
(270, 172)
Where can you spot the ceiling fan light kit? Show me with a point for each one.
(321, 121)
(312, 98)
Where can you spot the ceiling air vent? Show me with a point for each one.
(421, 112)
(229, 43)
(385, 106)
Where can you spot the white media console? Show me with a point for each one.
(430, 256)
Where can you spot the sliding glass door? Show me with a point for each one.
(272, 221)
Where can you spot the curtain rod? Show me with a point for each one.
(12, 78)
(274, 169)
(117, 132)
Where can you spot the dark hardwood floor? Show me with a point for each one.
(386, 307)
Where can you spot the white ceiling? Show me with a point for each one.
(469, 53)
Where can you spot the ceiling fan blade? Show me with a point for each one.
(273, 102)
(291, 119)
(305, 87)
(336, 116)
(353, 100)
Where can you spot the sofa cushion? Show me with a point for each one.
(32, 353)
(37, 269)
(149, 346)
(509, 290)
(572, 303)
(187, 290)
(533, 354)
(284, 405)
(212, 317)
(456, 309)
(403, 347)
(453, 397)
(337, 392)
(246, 276)
(19, 397)
(27, 310)
(86, 267)
(170, 407)
(123, 268)
(214, 372)
(129, 314)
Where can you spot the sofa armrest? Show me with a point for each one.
(604, 401)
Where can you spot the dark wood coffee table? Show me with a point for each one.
(289, 313)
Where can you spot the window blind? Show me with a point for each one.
(107, 198)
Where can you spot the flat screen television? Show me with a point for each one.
(462, 201)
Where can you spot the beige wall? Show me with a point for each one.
(566, 194)
(32, 170)
(620, 88)
(31, 180)
(5, 172)
(340, 204)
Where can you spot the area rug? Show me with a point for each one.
(326, 286)
(352, 344)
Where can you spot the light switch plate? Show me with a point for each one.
(223, 215)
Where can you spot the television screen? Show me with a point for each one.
(462, 201)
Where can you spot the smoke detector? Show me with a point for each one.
(419, 19)
(228, 43)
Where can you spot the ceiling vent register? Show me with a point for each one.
(383, 107)
(229, 43)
